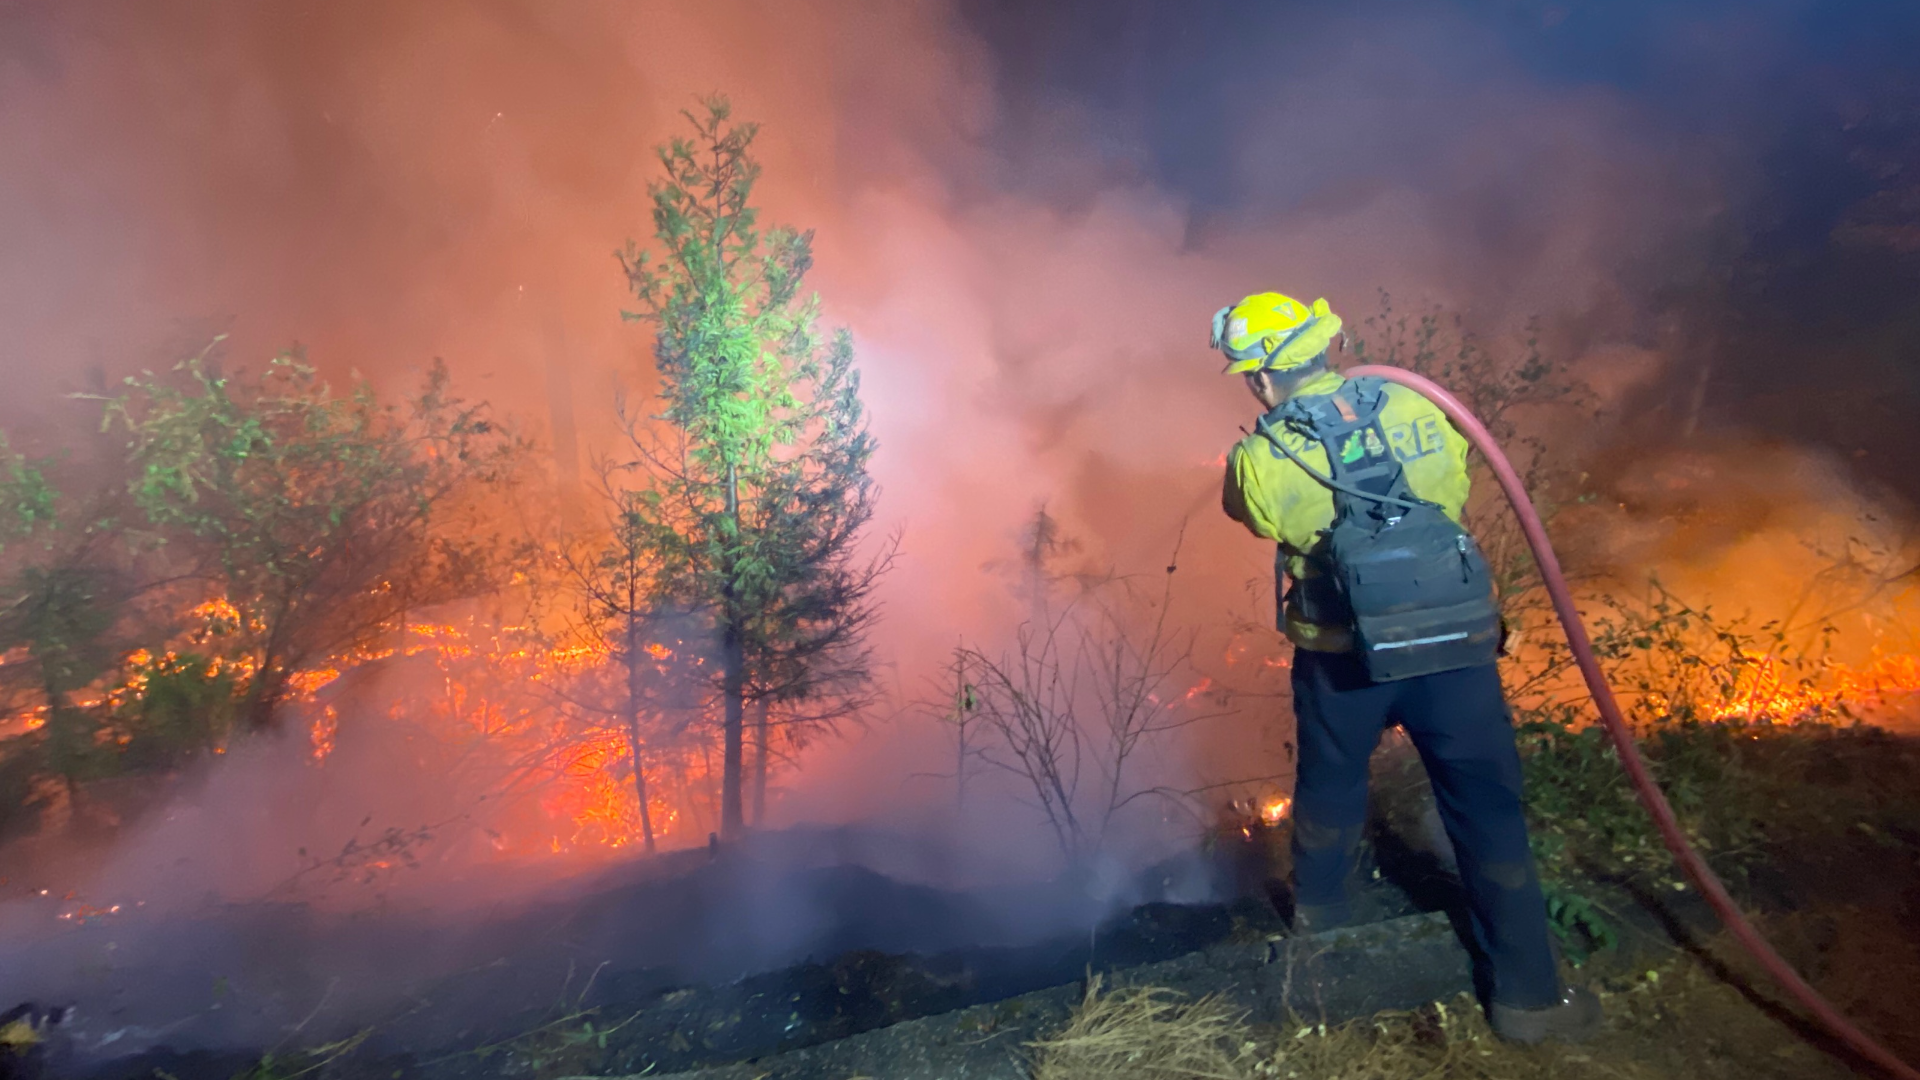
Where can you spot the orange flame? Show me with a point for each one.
(584, 785)
(1773, 692)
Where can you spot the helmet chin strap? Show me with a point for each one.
(1286, 381)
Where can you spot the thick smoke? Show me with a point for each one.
(388, 184)
(383, 185)
(1026, 219)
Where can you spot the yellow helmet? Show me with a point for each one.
(1273, 332)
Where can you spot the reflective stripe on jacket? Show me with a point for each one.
(1276, 500)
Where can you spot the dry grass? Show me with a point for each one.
(1147, 1033)
(1677, 1021)
(1673, 1023)
(1443, 1039)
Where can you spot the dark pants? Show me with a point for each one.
(1458, 721)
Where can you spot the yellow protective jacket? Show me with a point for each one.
(1276, 500)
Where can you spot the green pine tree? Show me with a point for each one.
(752, 488)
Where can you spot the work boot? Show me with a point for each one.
(1576, 1018)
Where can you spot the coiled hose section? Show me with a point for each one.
(1651, 796)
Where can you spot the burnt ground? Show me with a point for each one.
(668, 949)
(1682, 1001)
(887, 978)
(790, 913)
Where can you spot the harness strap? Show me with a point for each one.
(1362, 465)
(1261, 426)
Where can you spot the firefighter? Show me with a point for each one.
(1457, 719)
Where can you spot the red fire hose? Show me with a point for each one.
(1651, 797)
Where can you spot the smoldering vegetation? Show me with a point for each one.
(1024, 218)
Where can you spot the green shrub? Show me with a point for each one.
(1683, 677)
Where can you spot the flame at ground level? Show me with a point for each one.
(534, 726)
(550, 717)
(525, 718)
(1772, 690)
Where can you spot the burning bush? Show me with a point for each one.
(267, 555)
(1753, 740)
(259, 535)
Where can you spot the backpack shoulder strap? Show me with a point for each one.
(1347, 423)
(1362, 466)
(1356, 404)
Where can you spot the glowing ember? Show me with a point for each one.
(89, 913)
(1274, 811)
(326, 727)
(217, 612)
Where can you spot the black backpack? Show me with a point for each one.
(1412, 584)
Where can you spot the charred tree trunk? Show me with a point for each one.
(713, 800)
(759, 817)
(733, 686)
(732, 821)
(634, 691)
(264, 695)
(640, 788)
(65, 743)
(278, 659)
(962, 717)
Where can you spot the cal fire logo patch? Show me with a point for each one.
(1363, 443)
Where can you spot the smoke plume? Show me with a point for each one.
(1025, 215)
